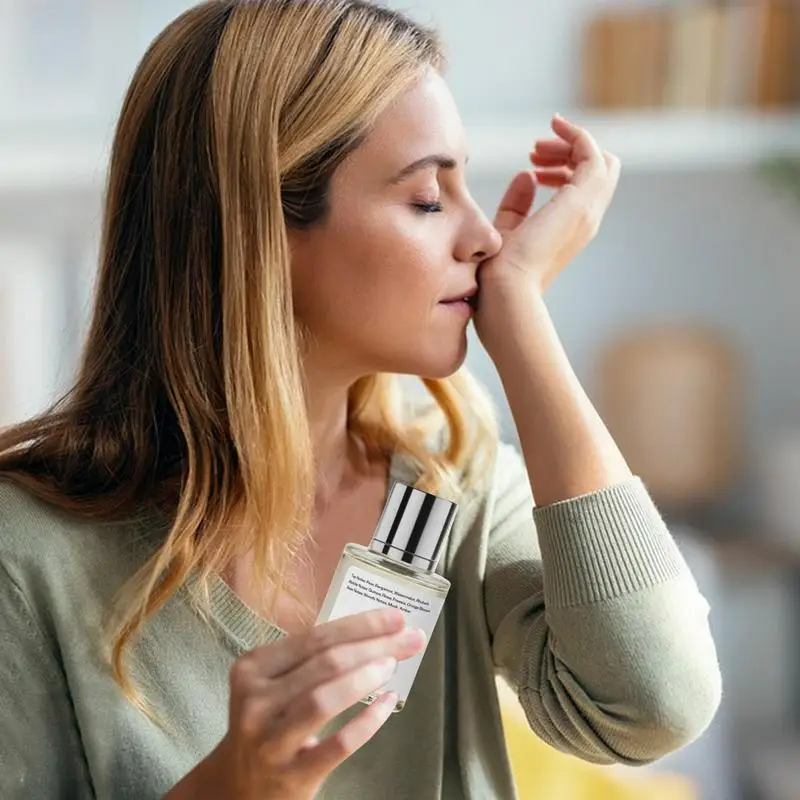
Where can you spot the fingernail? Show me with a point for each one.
(393, 616)
(387, 666)
(414, 636)
(386, 703)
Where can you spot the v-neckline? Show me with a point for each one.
(246, 629)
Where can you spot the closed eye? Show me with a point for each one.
(429, 208)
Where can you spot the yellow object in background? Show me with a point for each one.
(543, 773)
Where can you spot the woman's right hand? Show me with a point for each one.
(283, 693)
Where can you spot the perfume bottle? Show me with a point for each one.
(397, 570)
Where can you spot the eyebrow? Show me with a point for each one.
(437, 159)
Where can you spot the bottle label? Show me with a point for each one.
(362, 590)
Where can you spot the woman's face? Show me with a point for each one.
(370, 282)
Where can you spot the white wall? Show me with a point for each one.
(507, 55)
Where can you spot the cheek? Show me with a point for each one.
(389, 266)
(372, 279)
(405, 262)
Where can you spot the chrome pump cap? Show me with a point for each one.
(413, 526)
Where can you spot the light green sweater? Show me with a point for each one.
(591, 614)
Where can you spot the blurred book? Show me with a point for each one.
(596, 70)
(778, 63)
(625, 59)
(637, 44)
(693, 55)
(738, 54)
(697, 55)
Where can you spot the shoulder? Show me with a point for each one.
(504, 481)
(44, 551)
(500, 494)
(29, 528)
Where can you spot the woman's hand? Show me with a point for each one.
(282, 694)
(568, 450)
(536, 247)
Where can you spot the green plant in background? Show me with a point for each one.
(784, 173)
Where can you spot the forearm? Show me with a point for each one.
(202, 782)
(567, 448)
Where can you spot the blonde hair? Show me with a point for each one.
(189, 394)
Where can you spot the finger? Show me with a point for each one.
(614, 167)
(554, 177)
(516, 203)
(310, 712)
(539, 160)
(586, 153)
(331, 752)
(580, 140)
(277, 658)
(553, 147)
(337, 661)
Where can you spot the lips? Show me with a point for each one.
(469, 295)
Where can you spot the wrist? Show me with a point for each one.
(515, 316)
(205, 780)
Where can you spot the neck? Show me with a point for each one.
(338, 457)
(331, 440)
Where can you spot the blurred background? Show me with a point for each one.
(682, 318)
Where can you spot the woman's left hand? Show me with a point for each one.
(536, 247)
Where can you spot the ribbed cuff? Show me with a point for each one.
(604, 545)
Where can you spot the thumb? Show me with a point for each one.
(517, 202)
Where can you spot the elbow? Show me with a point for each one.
(656, 718)
(672, 715)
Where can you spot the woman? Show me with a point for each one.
(287, 229)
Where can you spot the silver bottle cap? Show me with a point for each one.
(413, 526)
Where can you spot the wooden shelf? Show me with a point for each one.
(61, 157)
(645, 140)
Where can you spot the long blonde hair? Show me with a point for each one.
(189, 394)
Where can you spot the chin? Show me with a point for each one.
(436, 364)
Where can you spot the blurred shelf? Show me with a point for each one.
(646, 140)
(60, 157)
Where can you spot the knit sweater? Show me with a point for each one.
(585, 606)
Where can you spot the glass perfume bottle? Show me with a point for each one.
(397, 570)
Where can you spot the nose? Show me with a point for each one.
(481, 240)
(494, 242)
